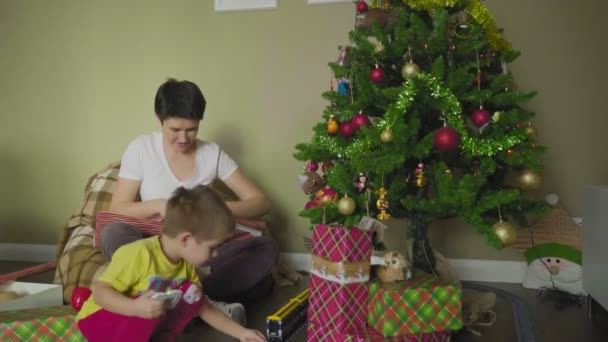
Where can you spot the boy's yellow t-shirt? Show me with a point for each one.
(141, 266)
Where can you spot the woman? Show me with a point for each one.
(154, 165)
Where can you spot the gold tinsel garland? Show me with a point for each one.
(476, 10)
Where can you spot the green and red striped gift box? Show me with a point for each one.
(54, 324)
(423, 304)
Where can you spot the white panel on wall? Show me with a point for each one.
(244, 5)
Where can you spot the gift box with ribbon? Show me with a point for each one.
(56, 324)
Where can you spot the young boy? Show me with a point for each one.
(122, 306)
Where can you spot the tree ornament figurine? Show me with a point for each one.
(332, 125)
(420, 176)
(480, 117)
(529, 180)
(506, 232)
(361, 6)
(361, 182)
(382, 204)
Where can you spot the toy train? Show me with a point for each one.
(286, 321)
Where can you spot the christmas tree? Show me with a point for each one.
(424, 122)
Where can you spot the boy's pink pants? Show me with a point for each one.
(106, 326)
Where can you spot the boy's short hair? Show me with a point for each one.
(200, 211)
(179, 99)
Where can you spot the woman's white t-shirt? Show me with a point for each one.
(144, 160)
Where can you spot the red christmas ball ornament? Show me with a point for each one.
(326, 196)
(312, 166)
(361, 6)
(311, 204)
(446, 139)
(480, 117)
(326, 165)
(79, 296)
(360, 120)
(346, 129)
(376, 75)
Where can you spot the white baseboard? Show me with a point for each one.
(27, 252)
(467, 269)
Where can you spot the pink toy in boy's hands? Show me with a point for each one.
(79, 296)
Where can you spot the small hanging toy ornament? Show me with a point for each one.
(359, 120)
(420, 176)
(506, 232)
(410, 69)
(343, 86)
(529, 180)
(480, 117)
(376, 75)
(346, 205)
(386, 136)
(332, 125)
(310, 182)
(531, 131)
(382, 204)
(361, 182)
(361, 6)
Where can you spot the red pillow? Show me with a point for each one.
(154, 226)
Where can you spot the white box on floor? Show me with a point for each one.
(35, 296)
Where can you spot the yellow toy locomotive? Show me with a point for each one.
(282, 324)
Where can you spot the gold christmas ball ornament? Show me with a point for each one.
(410, 70)
(386, 136)
(346, 205)
(379, 48)
(532, 131)
(506, 232)
(529, 180)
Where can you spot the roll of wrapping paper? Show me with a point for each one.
(282, 324)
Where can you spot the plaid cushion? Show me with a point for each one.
(97, 195)
(55, 324)
(423, 304)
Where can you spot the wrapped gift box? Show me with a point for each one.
(339, 277)
(340, 307)
(424, 304)
(53, 324)
(318, 333)
(339, 244)
(34, 296)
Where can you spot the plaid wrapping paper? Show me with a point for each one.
(154, 226)
(336, 306)
(424, 304)
(55, 324)
(339, 244)
(319, 333)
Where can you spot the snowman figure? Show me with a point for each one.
(554, 264)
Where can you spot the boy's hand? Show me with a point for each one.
(146, 307)
(252, 336)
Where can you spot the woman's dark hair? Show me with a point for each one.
(180, 99)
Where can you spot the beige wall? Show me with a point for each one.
(77, 80)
